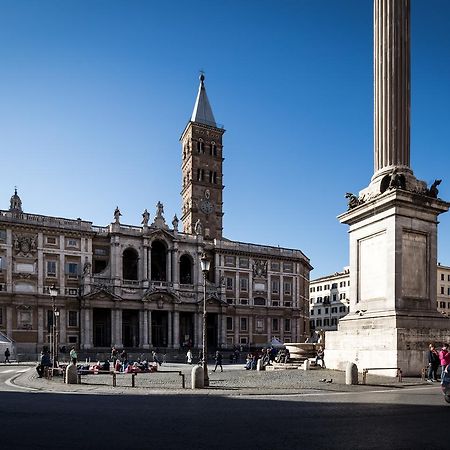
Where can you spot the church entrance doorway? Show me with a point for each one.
(159, 328)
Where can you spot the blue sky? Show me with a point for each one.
(94, 96)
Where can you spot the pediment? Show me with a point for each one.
(102, 293)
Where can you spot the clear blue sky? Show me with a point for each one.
(95, 94)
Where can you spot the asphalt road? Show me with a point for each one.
(406, 418)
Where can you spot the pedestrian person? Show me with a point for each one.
(218, 358)
(124, 356)
(320, 356)
(7, 355)
(44, 362)
(156, 359)
(189, 356)
(444, 357)
(114, 355)
(433, 363)
(73, 355)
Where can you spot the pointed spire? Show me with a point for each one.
(202, 112)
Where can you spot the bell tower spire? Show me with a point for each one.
(202, 175)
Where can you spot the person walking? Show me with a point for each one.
(433, 363)
(7, 355)
(189, 356)
(444, 357)
(218, 358)
(156, 359)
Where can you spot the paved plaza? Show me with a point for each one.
(234, 380)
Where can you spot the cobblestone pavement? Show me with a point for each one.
(233, 381)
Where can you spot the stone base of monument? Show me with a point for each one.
(387, 341)
(299, 353)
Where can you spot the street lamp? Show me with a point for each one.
(205, 263)
(53, 291)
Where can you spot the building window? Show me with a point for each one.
(287, 325)
(73, 339)
(229, 323)
(243, 341)
(312, 312)
(288, 288)
(441, 304)
(319, 322)
(243, 326)
(259, 324)
(230, 261)
(334, 286)
(1, 316)
(275, 325)
(326, 310)
(319, 311)
(334, 310)
(342, 296)
(1, 263)
(243, 301)
(73, 318)
(326, 322)
(50, 240)
(313, 289)
(335, 297)
(2, 235)
(319, 299)
(213, 149)
(326, 287)
(275, 266)
(72, 270)
(243, 282)
(287, 267)
(51, 268)
(442, 277)
(243, 263)
(230, 283)
(72, 243)
(442, 290)
(200, 174)
(200, 146)
(341, 308)
(259, 301)
(275, 286)
(448, 289)
(334, 321)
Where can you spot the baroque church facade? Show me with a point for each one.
(141, 287)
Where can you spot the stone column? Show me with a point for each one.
(176, 329)
(223, 336)
(269, 328)
(141, 328)
(392, 84)
(145, 262)
(169, 266)
(62, 326)
(119, 340)
(145, 329)
(169, 329)
(149, 329)
(40, 325)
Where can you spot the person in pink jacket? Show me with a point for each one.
(444, 356)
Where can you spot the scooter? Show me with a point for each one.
(445, 384)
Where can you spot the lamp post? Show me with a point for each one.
(205, 263)
(54, 347)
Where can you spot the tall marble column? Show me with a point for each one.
(392, 84)
(176, 329)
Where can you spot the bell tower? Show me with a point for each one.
(201, 193)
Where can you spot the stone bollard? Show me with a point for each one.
(71, 374)
(351, 373)
(306, 364)
(259, 365)
(197, 377)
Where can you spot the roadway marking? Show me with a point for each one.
(8, 371)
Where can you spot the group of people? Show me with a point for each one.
(437, 359)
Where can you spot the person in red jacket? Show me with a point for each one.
(444, 357)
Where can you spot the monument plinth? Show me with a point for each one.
(393, 228)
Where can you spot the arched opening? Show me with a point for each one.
(185, 269)
(159, 258)
(130, 260)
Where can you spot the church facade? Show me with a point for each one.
(141, 287)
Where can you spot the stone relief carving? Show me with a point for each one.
(25, 245)
(353, 200)
(198, 229)
(433, 191)
(260, 268)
